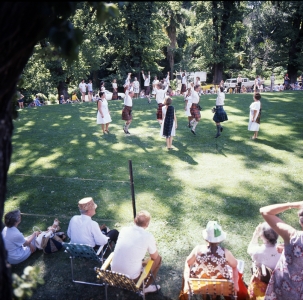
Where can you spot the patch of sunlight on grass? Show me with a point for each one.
(91, 144)
(83, 135)
(55, 125)
(29, 123)
(118, 146)
(47, 162)
(67, 117)
(75, 142)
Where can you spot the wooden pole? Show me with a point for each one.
(132, 189)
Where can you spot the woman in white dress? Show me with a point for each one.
(103, 114)
(255, 116)
(169, 123)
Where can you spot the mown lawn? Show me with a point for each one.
(61, 156)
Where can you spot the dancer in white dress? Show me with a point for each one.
(187, 106)
(169, 123)
(103, 114)
(255, 116)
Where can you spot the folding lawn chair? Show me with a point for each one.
(86, 252)
(123, 281)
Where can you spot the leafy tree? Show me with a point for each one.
(278, 37)
(23, 25)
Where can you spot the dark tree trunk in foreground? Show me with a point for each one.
(294, 52)
(21, 26)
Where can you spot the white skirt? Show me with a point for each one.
(106, 119)
(253, 126)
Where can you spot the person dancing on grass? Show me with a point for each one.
(160, 96)
(255, 116)
(195, 112)
(146, 85)
(103, 114)
(220, 114)
(127, 110)
(169, 123)
(187, 105)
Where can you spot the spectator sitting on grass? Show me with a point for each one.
(132, 245)
(211, 260)
(18, 247)
(37, 101)
(74, 98)
(83, 230)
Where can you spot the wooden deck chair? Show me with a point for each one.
(122, 281)
(85, 252)
(211, 287)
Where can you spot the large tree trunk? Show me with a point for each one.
(62, 89)
(217, 71)
(294, 49)
(22, 24)
(172, 34)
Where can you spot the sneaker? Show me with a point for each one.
(217, 135)
(151, 289)
(193, 132)
(127, 132)
(124, 129)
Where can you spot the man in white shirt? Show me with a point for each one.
(130, 250)
(239, 84)
(146, 85)
(82, 87)
(127, 110)
(83, 230)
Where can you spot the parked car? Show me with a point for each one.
(232, 83)
(109, 95)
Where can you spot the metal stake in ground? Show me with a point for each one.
(132, 189)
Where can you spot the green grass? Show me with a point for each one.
(61, 156)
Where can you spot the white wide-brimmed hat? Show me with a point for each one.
(213, 232)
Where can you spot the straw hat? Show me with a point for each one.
(87, 204)
(213, 232)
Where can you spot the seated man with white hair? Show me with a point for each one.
(132, 245)
(83, 230)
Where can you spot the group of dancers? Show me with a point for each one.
(166, 114)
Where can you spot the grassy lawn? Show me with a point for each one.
(61, 156)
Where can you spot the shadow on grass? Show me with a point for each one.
(60, 156)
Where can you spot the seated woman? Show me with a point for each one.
(211, 260)
(17, 246)
(265, 254)
(286, 280)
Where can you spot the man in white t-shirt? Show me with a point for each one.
(82, 87)
(272, 82)
(130, 250)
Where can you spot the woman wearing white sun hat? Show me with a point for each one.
(211, 260)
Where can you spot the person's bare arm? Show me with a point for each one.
(280, 227)
(99, 108)
(188, 263)
(175, 119)
(233, 263)
(154, 256)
